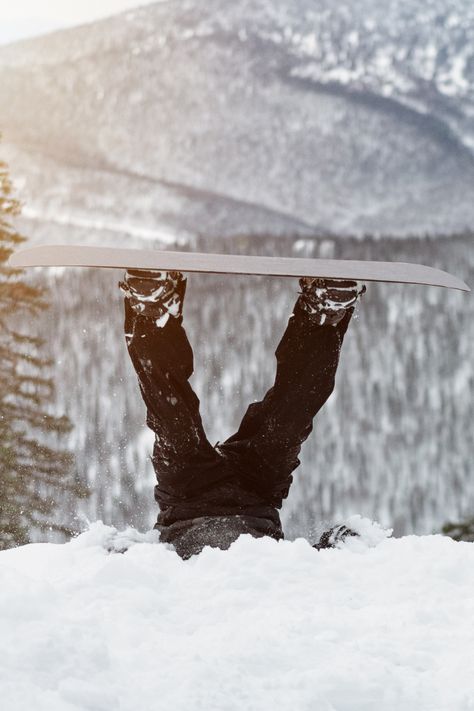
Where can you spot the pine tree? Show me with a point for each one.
(462, 531)
(35, 473)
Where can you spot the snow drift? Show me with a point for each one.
(114, 621)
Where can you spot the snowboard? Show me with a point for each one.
(113, 258)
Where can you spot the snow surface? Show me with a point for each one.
(378, 624)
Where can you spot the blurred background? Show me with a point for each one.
(286, 128)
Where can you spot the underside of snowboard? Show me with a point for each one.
(112, 258)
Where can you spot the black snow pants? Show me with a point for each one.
(210, 495)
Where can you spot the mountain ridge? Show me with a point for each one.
(275, 103)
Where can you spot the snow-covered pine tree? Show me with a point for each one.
(35, 472)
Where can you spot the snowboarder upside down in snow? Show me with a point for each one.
(210, 495)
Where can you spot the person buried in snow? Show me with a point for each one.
(211, 495)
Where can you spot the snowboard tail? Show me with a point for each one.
(112, 258)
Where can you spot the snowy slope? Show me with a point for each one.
(265, 625)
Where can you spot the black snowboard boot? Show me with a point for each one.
(155, 295)
(335, 535)
(327, 300)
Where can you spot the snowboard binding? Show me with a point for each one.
(155, 295)
(327, 300)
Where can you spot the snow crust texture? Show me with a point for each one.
(382, 624)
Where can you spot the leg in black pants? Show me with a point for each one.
(183, 458)
(265, 448)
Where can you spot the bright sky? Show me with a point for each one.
(25, 18)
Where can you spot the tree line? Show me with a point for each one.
(35, 469)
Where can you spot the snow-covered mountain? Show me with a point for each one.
(354, 117)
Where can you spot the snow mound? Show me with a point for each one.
(369, 534)
(377, 624)
(111, 539)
